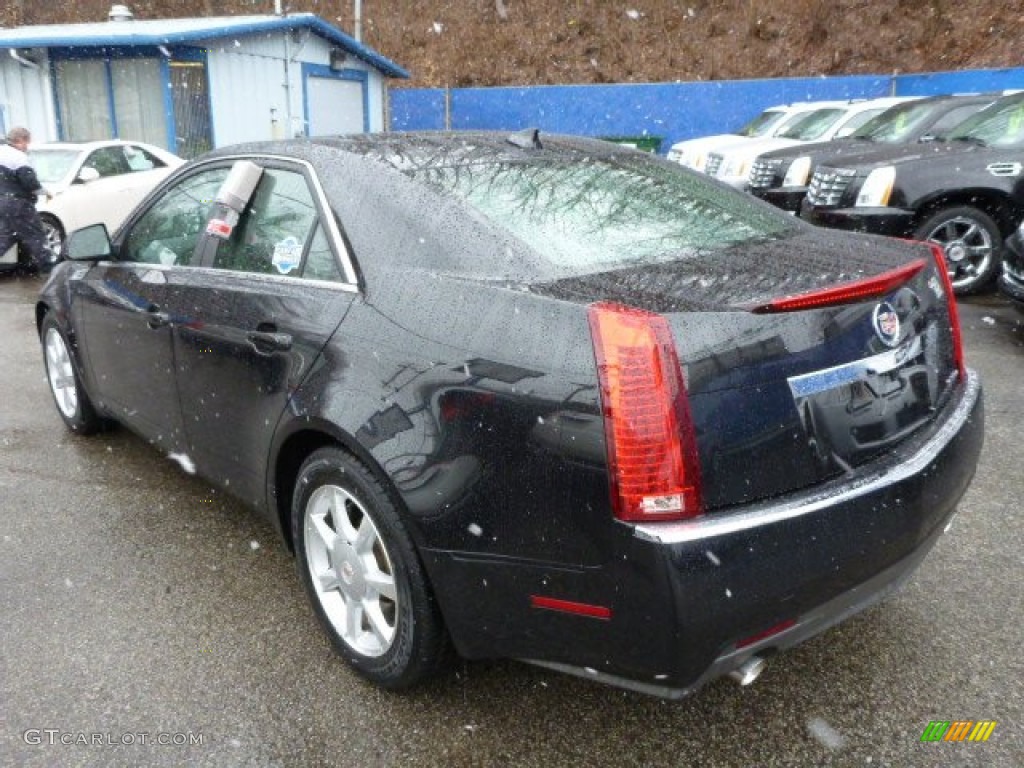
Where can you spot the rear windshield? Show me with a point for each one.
(592, 214)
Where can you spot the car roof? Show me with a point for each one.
(407, 151)
(79, 146)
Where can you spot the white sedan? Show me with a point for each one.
(95, 182)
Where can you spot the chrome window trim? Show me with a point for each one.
(337, 242)
(333, 285)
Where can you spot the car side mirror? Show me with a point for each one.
(88, 174)
(89, 243)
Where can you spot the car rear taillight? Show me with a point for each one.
(651, 443)
(846, 293)
(954, 315)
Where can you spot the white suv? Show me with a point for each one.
(693, 153)
(831, 120)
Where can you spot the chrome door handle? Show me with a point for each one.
(266, 342)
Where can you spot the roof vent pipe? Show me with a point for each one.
(120, 13)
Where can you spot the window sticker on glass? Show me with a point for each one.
(219, 228)
(287, 255)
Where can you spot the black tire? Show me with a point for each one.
(362, 574)
(971, 242)
(72, 401)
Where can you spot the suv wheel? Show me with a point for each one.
(971, 243)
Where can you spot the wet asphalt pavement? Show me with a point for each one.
(137, 605)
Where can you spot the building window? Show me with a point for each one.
(121, 98)
(84, 97)
(138, 100)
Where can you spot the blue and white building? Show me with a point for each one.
(191, 84)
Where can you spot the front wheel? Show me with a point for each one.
(72, 402)
(971, 243)
(362, 574)
(54, 236)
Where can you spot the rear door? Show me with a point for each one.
(272, 292)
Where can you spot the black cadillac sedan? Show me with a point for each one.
(534, 397)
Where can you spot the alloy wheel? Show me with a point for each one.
(60, 373)
(351, 571)
(968, 247)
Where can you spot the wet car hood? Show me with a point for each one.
(939, 151)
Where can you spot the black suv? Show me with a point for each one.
(966, 193)
(781, 176)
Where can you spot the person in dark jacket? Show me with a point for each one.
(19, 221)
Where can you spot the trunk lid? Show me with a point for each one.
(782, 401)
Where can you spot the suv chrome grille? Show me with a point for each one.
(828, 185)
(762, 173)
(713, 164)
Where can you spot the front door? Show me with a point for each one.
(129, 307)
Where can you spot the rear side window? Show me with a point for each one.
(595, 214)
(279, 232)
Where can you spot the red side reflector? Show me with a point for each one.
(567, 606)
(954, 314)
(782, 626)
(649, 436)
(847, 293)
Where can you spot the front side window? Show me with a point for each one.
(107, 161)
(169, 231)
(999, 125)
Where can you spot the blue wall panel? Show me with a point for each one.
(417, 109)
(670, 111)
(960, 82)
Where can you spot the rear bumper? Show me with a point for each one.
(894, 222)
(805, 563)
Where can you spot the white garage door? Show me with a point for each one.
(335, 106)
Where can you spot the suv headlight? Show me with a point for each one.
(798, 173)
(737, 166)
(877, 187)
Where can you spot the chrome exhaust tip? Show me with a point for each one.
(748, 671)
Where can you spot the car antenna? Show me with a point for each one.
(526, 139)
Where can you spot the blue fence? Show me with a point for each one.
(668, 111)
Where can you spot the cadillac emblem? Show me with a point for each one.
(887, 324)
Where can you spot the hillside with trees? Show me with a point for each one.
(531, 42)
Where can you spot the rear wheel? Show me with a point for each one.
(361, 571)
(72, 402)
(971, 243)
